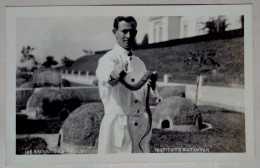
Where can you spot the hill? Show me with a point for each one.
(170, 59)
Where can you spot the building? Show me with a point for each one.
(164, 28)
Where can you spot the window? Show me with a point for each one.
(185, 30)
(160, 34)
(154, 35)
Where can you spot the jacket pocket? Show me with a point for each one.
(119, 132)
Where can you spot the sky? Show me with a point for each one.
(60, 36)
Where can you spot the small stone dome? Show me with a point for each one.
(81, 129)
(177, 110)
(46, 77)
(51, 101)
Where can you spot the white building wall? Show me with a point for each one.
(150, 32)
(165, 35)
(195, 24)
(166, 28)
(163, 28)
(154, 28)
(174, 27)
(234, 21)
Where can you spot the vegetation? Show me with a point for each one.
(28, 60)
(67, 62)
(218, 25)
(199, 62)
(82, 126)
(30, 145)
(30, 126)
(49, 62)
(52, 102)
(170, 60)
(227, 134)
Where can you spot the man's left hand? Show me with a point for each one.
(152, 81)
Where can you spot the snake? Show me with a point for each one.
(133, 87)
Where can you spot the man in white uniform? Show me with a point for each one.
(125, 120)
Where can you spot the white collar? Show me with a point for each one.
(121, 50)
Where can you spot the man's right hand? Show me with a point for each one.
(119, 71)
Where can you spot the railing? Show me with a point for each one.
(221, 80)
(79, 77)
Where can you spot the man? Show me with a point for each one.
(125, 120)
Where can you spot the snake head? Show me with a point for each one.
(154, 76)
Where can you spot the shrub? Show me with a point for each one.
(30, 144)
(82, 125)
(51, 102)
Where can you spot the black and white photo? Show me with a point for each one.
(174, 81)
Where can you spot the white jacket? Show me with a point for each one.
(125, 120)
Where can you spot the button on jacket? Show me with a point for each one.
(125, 120)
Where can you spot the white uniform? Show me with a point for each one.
(125, 120)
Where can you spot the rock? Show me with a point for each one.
(81, 128)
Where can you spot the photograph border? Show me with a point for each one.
(76, 3)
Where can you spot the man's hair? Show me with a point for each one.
(127, 19)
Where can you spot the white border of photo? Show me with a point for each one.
(8, 49)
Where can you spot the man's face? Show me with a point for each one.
(125, 34)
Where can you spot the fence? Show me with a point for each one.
(79, 77)
(223, 80)
(220, 80)
(231, 98)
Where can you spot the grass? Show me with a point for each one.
(30, 145)
(28, 126)
(227, 135)
(171, 59)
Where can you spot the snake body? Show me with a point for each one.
(147, 75)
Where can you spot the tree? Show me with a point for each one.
(200, 62)
(218, 25)
(49, 62)
(28, 60)
(67, 62)
(145, 40)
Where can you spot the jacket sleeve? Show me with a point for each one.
(104, 68)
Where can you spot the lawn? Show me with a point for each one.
(170, 59)
(227, 134)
